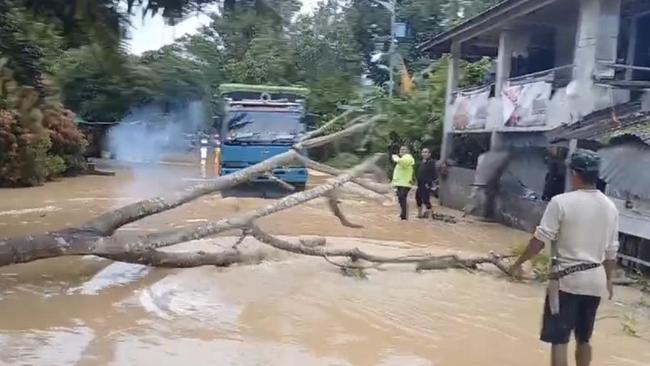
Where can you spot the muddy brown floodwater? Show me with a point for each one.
(287, 311)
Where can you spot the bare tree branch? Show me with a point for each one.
(333, 204)
(142, 249)
(158, 258)
(424, 262)
(145, 252)
(244, 235)
(331, 123)
(93, 238)
(107, 223)
(242, 221)
(280, 182)
(354, 129)
(353, 189)
(365, 183)
(352, 265)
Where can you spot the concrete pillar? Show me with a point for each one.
(631, 47)
(587, 36)
(504, 65)
(453, 75)
(573, 145)
(496, 141)
(504, 61)
(597, 41)
(609, 21)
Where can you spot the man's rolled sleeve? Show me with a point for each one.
(549, 227)
(612, 244)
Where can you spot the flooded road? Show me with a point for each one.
(286, 311)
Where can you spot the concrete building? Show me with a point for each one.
(624, 145)
(559, 63)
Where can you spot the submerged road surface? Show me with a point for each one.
(289, 310)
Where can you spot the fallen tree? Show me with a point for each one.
(96, 237)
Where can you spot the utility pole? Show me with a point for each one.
(390, 5)
(391, 50)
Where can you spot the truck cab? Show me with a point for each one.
(260, 122)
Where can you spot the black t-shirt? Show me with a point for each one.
(427, 171)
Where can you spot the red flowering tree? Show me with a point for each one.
(37, 141)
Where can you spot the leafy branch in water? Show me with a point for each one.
(629, 325)
(539, 263)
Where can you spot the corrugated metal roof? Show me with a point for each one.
(641, 131)
(627, 119)
(626, 169)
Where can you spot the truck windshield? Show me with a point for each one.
(263, 125)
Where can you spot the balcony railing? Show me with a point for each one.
(523, 104)
(550, 75)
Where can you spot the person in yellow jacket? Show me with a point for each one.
(403, 177)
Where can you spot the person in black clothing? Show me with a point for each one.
(554, 180)
(426, 176)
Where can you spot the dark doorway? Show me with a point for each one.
(642, 48)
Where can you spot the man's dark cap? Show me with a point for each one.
(585, 161)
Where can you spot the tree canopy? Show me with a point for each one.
(74, 52)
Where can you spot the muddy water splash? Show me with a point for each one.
(288, 311)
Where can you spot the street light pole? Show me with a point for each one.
(391, 50)
(390, 5)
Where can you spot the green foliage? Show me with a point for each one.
(23, 57)
(629, 325)
(99, 89)
(35, 164)
(416, 120)
(473, 73)
(80, 44)
(68, 143)
(39, 33)
(38, 140)
(540, 263)
(344, 160)
(24, 157)
(173, 78)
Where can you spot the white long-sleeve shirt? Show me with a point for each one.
(584, 226)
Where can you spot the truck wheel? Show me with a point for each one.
(300, 187)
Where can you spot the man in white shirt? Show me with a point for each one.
(581, 228)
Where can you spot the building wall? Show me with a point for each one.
(636, 220)
(456, 187)
(528, 166)
(584, 42)
(518, 212)
(512, 210)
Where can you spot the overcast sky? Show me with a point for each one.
(152, 33)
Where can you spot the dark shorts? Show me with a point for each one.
(577, 313)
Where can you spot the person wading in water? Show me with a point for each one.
(581, 228)
(402, 177)
(426, 176)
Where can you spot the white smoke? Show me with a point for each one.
(148, 133)
(146, 139)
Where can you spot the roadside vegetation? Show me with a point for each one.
(63, 61)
